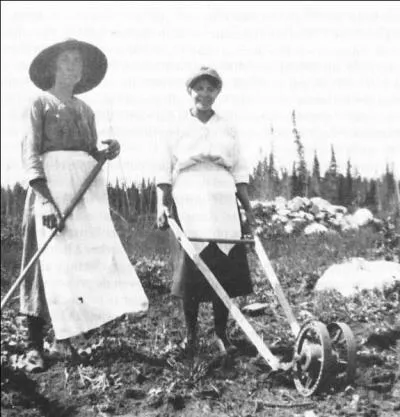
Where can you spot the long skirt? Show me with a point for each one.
(206, 207)
(88, 279)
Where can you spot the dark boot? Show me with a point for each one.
(220, 323)
(191, 311)
(35, 332)
(34, 361)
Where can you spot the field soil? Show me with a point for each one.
(135, 366)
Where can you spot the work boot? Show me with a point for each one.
(34, 361)
(191, 311)
(220, 323)
(189, 347)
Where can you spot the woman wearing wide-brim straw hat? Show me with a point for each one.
(84, 278)
(203, 169)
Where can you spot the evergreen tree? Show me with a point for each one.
(284, 188)
(348, 186)
(302, 166)
(315, 181)
(370, 198)
(294, 182)
(272, 177)
(330, 188)
(341, 187)
(333, 169)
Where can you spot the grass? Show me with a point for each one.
(141, 356)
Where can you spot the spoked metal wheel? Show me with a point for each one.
(313, 361)
(344, 351)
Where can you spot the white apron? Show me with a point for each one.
(204, 195)
(87, 275)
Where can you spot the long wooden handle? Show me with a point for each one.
(276, 286)
(82, 190)
(233, 309)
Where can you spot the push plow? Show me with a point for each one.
(322, 353)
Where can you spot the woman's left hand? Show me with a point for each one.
(113, 149)
(250, 222)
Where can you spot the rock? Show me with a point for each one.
(289, 228)
(297, 203)
(320, 216)
(280, 203)
(318, 203)
(362, 217)
(255, 308)
(301, 214)
(315, 228)
(282, 212)
(359, 274)
(347, 223)
(340, 209)
(309, 217)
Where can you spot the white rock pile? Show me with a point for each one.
(358, 274)
(309, 215)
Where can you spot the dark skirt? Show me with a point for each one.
(232, 272)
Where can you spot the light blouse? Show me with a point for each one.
(54, 126)
(194, 142)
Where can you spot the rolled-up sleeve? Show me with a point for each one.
(240, 168)
(32, 143)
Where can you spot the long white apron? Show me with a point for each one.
(87, 275)
(204, 195)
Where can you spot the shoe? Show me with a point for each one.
(34, 361)
(188, 347)
(225, 346)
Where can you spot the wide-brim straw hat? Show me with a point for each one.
(95, 65)
(204, 72)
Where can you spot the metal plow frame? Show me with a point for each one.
(314, 357)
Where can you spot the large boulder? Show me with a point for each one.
(362, 217)
(359, 274)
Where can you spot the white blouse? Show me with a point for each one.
(194, 142)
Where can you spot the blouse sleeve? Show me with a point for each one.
(240, 170)
(32, 143)
(93, 133)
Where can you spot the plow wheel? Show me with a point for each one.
(344, 351)
(313, 362)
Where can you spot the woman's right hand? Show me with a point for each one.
(51, 216)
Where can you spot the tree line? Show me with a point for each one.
(348, 189)
(128, 202)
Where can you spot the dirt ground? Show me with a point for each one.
(135, 366)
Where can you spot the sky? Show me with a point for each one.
(337, 64)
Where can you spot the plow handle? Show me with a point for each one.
(232, 308)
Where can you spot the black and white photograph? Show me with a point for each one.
(200, 208)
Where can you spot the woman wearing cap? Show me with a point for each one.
(203, 170)
(84, 278)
